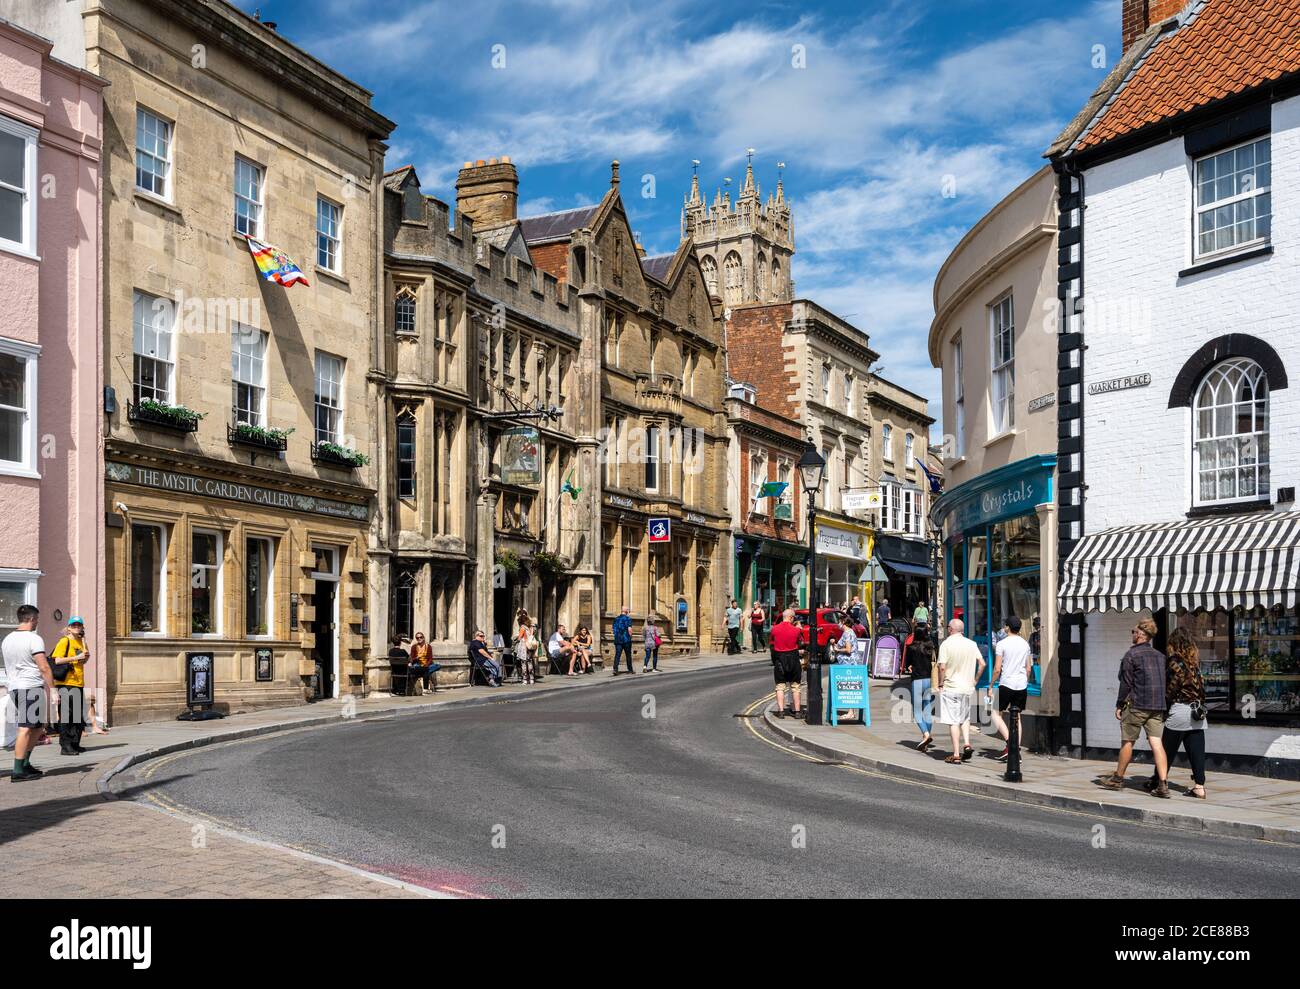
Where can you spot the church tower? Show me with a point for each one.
(744, 248)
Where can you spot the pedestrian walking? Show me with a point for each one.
(67, 667)
(734, 614)
(30, 686)
(525, 647)
(883, 615)
(1011, 662)
(623, 639)
(1140, 707)
(918, 661)
(757, 619)
(653, 640)
(858, 611)
(921, 615)
(787, 639)
(1185, 722)
(960, 665)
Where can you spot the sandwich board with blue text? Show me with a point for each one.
(849, 691)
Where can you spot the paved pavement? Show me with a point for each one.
(1235, 804)
(668, 786)
(60, 837)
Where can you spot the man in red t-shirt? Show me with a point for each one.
(787, 639)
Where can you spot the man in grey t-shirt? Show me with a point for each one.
(734, 615)
(30, 686)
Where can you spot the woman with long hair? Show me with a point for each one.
(582, 644)
(919, 662)
(525, 646)
(1185, 695)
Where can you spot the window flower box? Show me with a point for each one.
(335, 455)
(160, 415)
(261, 437)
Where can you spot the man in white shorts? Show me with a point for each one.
(960, 666)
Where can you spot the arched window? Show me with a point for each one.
(1230, 422)
(404, 312)
(760, 269)
(734, 271)
(710, 269)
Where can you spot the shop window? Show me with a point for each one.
(259, 579)
(1231, 417)
(205, 582)
(1250, 662)
(17, 587)
(1016, 543)
(148, 579)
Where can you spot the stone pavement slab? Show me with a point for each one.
(1237, 805)
(71, 835)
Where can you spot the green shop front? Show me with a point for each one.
(766, 573)
(999, 559)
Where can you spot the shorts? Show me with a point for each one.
(954, 709)
(30, 703)
(1007, 697)
(1135, 720)
(786, 668)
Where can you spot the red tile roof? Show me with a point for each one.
(1226, 48)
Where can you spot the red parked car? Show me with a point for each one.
(829, 628)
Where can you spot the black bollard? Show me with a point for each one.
(1012, 775)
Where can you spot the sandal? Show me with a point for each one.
(1192, 792)
(925, 744)
(953, 760)
(966, 753)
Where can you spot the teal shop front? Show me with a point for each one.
(999, 558)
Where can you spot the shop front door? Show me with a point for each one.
(326, 632)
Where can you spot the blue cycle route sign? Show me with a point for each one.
(849, 691)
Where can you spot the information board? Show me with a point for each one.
(849, 691)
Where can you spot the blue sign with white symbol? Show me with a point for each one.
(660, 530)
(849, 691)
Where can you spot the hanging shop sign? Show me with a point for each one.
(521, 461)
(858, 501)
(659, 530)
(1119, 384)
(207, 487)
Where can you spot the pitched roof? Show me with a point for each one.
(556, 226)
(393, 179)
(657, 266)
(1222, 48)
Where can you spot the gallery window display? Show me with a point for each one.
(1250, 661)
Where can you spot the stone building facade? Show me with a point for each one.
(662, 436)
(477, 519)
(237, 513)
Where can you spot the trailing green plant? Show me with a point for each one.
(549, 564)
(177, 413)
(508, 560)
(354, 457)
(264, 434)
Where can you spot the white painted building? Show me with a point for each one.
(1180, 448)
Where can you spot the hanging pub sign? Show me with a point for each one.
(199, 673)
(521, 456)
(264, 665)
(659, 530)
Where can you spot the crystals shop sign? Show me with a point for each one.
(251, 494)
(1119, 384)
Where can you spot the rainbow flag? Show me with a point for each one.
(274, 264)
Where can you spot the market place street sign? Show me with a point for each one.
(250, 494)
(1119, 384)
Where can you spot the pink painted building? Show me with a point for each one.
(51, 345)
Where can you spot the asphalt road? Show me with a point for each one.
(579, 794)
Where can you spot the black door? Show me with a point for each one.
(323, 628)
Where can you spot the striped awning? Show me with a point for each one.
(1238, 560)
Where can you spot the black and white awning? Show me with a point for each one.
(1238, 560)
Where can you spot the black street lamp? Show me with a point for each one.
(811, 468)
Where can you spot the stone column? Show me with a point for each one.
(486, 569)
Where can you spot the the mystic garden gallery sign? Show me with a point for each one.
(250, 494)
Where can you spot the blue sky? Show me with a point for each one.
(893, 98)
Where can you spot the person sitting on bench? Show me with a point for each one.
(559, 648)
(481, 656)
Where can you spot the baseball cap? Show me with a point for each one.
(76, 620)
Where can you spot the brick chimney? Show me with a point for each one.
(488, 191)
(1138, 15)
